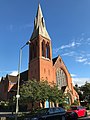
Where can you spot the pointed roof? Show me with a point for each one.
(39, 25)
(39, 11)
(54, 60)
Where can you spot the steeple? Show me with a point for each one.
(39, 25)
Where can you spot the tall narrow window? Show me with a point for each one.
(43, 48)
(35, 49)
(47, 51)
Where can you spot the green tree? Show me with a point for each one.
(55, 95)
(79, 91)
(44, 91)
(33, 91)
(29, 92)
(86, 91)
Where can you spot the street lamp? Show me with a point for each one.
(18, 78)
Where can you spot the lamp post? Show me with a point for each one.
(18, 79)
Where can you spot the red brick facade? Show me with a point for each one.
(41, 67)
(41, 64)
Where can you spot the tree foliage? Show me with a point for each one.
(29, 91)
(83, 91)
(86, 91)
(79, 91)
(85, 88)
(33, 91)
(55, 94)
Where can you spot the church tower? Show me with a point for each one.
(40, 51)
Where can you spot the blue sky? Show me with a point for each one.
(67, 22)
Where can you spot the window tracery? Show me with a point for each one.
(61, 78)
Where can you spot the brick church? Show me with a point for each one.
(41, 64)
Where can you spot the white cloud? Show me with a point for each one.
(87, 63)
(81, 59)
(0, 78)
(65, 46)
(88, 39)
(69, 45)
(55, 50)
(80, 81)
(80, 39)
(14, 73)
(68, 53)
(77, 48)
(73, 75)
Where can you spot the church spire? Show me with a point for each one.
(39, 25)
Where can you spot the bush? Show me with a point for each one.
(67, 107)
(75, 102)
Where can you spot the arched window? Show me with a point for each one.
(43, 48)
(61, 78)
(32, 51)
(47, 51)
(35, 49)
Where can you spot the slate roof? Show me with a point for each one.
(24, 76)
(54, 60)
(12, 79)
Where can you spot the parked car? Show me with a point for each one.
(56, 113)
(71, 115)
(79, 110)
